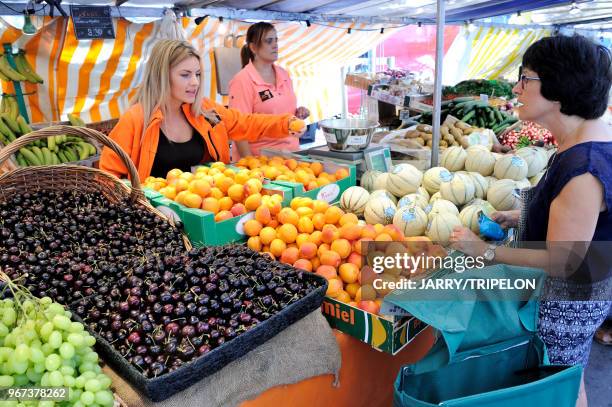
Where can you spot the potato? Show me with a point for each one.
(462, 126)
(424, 128)
(420, 140)
(429, 143)
(468, 131)
(464, 142)
(443, 143)
(444, 131)
(411, 134)
(457, 134)
(426, 136)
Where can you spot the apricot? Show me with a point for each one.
(290, 255)
(252, 227)
(303, 264)
(308, 250)
(287, 233)
(342, 247)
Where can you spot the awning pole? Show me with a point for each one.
(437, 99)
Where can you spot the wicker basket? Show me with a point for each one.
(73, 177)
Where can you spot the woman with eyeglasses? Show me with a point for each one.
(564, 86)
(263, 87)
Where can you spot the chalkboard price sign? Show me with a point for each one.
(92, 22)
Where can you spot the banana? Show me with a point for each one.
(3, 105)
(75, 139)
(14, 112)
(20, 160)
(4, 129)
(25, 128)
(91, 150)
(30, 157)
(62, 157)
(8, 70)
(13, 125)
(4, 78)
(51, 142)
(46, 156)
(24, 68)
(83, 152)
(72, 157)
(39, 154)
(75, 120)
(54, 159)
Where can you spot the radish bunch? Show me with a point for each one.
(529, 134)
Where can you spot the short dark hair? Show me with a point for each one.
(573, 71)
(254, 35)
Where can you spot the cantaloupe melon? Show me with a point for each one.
(354, 200)
(476, 148)
(413, 199)
(536, 178)
(459, 190)
(469, 217)
(367, 179)
(379, 210)
(404, 179)
(490, 180)
(380, 182)
(453, 158)
(435, 197)
(441, 226)
(439, 206)
(482, 162)
(486, 206)
(411, 220)
(433, 177)
(481, 185)
(522, 184)
(380, 193)
(510, 167)
(502, 195)
(423, 192)
(535, 158)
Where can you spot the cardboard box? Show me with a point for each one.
(200, 225)
(386, 335)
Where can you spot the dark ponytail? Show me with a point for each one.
(254, 36)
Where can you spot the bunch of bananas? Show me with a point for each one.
(9, 106)
(22, 72)
(12, 125)
(55, 150)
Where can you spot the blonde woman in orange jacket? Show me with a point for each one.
(170, 125)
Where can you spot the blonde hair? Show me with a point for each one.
(154, 91)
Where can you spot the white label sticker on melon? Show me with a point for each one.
(331, 138)
(445, 176)
(356, 140)
(242, 221)
(517, 162)
(478, 138)
(329, 193)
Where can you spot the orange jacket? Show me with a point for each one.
(233, 126)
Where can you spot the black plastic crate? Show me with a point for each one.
(165, 386)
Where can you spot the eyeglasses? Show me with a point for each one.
(524, 79)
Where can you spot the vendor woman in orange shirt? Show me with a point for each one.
(263, 87)
(170, 125)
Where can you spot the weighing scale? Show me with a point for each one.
(374, 157)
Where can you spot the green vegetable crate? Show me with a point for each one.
(200, 225)
(389, 336)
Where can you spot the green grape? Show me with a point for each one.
(55, 339)
(36, 343)
(19, 367)
(22, 353)
(46, 403)
(66, 350)
(90, 341)
(61, 322)
(47, 349)
(104, 380)
(105, 398)
(75, 395)
(46, 330)
(30, 335)
(56, 379)
(9, 316)
(89, 375)
(39, 367)
(67, 370)
(53, 362)
(37, 355)
(78, 404)
(69, 381)
(44, 380)
(87, 398)
(93, 385)
(33, 375)
(3, 330)
(21, 380)
(87, 366)
(76, 327)
(91, 357)
(80, 382)
(55, 309)
(45, 301)
(76, 340)
(6, 381)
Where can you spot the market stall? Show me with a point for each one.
(173, 282)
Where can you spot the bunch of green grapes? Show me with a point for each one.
(41, 347)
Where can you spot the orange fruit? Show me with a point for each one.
(315, 237)
(262, 215)
(330, 258)
(348, 218)
(383, 237)
(350, 231)
(329, 233)
(318, 221)
(288, 215)
(169, 192)
(180, 184)
(333, 215)
(317, 168)
(308, 250)
(226, 203)
(200, 187)
(305, 225)
(395, 233)
(267, 234)
(343, 296)
(290, 255)
(287, 233)
(236, 192)
(368, 231)
(252, 202)
(223, 215)
(327, 271)
(348, 272)
(216, 193)
(253, 186)
(218, 164)
(355, 258)
(341, 173)
(192, 200)
(254, 243)
(315, 263)
(334, 286)
(277, 247)
(322, 249)
(352, 288)
(225, 183)
(242, 177)
(173, 174)
(273, 223)
(319, 206)
(229, 173)
(304, 212)
(322, 181)
(303, 264)
(301, 239)
(342, 247)
(211, 205)
(187, 176)
(379, 228)
(291, 164)
(252, 227)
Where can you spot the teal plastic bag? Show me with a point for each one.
(489, 353)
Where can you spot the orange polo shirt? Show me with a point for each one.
(250, 94)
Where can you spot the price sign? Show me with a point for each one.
(92, 22)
